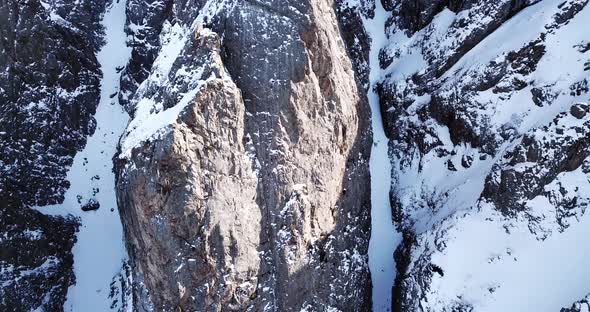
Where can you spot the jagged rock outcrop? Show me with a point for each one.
(543, 154)
(35, 259)
(251, 192)
(490, 148)
(144, 24)
(578, 306)
(188, 202)
(49, 90)
(51, 81)
(351, 15)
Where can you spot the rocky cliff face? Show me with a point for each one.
(486, 107)
(242, 178)
(49, 90)
(255, 196)
(49, 81)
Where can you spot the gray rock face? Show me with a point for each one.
(35, 259)
(144, 24)
(256, 197)
(192, 222)
(49, 90)
(354, 34)
(188, 201)
(51, 82)
(479, 138)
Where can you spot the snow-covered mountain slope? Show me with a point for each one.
(384, 237)
(102, 283)
(49, 91)
(486, 107)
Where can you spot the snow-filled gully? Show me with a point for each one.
(384, 237)
(99, 252)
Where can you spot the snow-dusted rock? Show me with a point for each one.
(486, 107)
(243, 177)
(579, 306)
(49, 90)
(243, 174)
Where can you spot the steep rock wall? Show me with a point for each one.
(257, 195)
(49, 91)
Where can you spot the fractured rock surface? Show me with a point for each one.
(488, 130)
(49, 90)
(256, 197)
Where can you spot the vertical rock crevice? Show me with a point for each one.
(49, 91)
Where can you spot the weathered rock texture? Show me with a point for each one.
(35, 259)
(243, 178)
(486, 131)
(49, 90)
(256, 197)
(144, 24)
(50, 81)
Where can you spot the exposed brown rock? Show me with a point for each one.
(257, 197)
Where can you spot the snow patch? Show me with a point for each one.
(99, 253)
(384, 237)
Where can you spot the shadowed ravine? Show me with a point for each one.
(99, 253)
(384, 237)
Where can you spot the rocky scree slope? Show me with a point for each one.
(243, 177)
(49, 90)
(486, 107)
